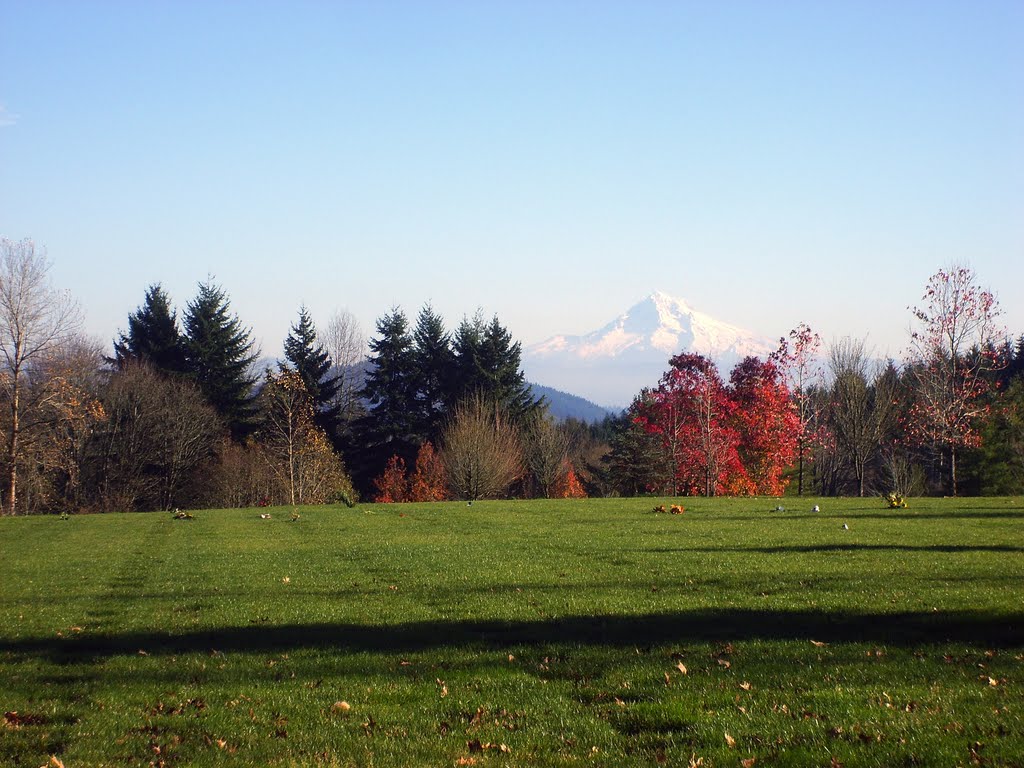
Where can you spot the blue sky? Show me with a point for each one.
(550, 162)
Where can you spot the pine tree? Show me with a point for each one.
(389, 391)
(153, 336)
(310, 361)
(219, 353)
(487, 362)
(434, 368)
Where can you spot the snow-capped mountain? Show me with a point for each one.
(612, 364)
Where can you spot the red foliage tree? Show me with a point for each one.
(428, 481)
(692, 410)
(768, 424)
(392, 484)
(568, 485)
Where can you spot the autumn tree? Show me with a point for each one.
(35, 318)
(296, 448)
(958, 316)
(797, 358)
(767, 423)
(393, 483)
(568, 485)
(153, 336)
(219, 353)
(428, 481)
(691, 411)
(481, 450)
(67, 384)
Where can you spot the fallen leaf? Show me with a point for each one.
(466, 761)
(55, 762)
(745, 685)
(682, 668)
(730, 741)
(668, 680)
(286, 580)
(993, 682)
(724, 663)
(749, 762)
(818, 644)
(620, 702)
(221, 744)
(340, 707)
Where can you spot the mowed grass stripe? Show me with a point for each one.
(554, 628)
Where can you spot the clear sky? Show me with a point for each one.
(551, 162)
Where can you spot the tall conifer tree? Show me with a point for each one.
(219, 352)
(153, 336)
(309, 359)
(388, 428)
(434, 363)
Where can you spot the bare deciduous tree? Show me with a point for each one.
(547, 452)
(156, 433)
(346, 344)
(863, 408)
(482, 453)
(35, 319)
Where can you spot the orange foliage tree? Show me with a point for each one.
(392, 484)
(428, 481)
(568, 485)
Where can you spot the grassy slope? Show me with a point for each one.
(553, 628)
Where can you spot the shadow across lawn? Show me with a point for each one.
(797, 548)
(711, 625)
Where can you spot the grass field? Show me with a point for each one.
(583, 633)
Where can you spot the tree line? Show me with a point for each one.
(949, 420)
(181, 414)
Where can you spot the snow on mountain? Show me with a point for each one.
(612, 364)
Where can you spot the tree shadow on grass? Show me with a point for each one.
(707, 625)
(806, 548)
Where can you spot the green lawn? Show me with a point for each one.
(591, 633)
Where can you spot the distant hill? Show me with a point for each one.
(564, 406)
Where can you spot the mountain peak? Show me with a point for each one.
(636, 347)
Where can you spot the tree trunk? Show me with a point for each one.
(800, 470)
(952, 469)
(12, 453)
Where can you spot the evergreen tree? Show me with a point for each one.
(637, 465)
(487, 362)
(467, 374)
(310, 361)
(153, 336)
(434, 369)
(219, 353)
(388, 428)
